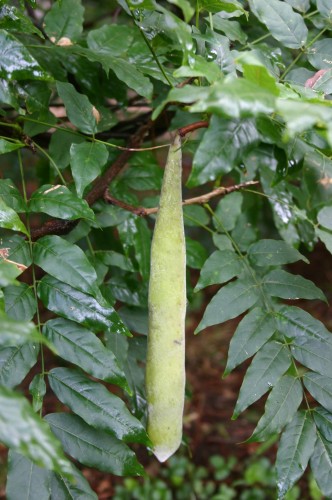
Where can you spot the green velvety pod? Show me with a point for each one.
(165, 368)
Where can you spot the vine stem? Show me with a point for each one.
(34, 281)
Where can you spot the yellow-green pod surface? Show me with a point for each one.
(165, 369)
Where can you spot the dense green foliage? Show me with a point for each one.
(83, 85)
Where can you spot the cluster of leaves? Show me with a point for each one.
(72, 87)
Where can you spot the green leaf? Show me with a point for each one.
(220, 266)
(25, 432)
(227, 212)
(284, 24)
(15, 333)
(64, 19)
(229, 6)
(92, 447)
(231, 301)
(196, 254)
(280, 408)
(16, 249)
(135, 319)
(236, 98)
(187, 9)
(60, 144)
(221, 148)
(195, 216)
(199, 67)
(320, 388)
(37, 389)
(77, 306)
(321, 465)
(295, 449)
(26, 480)
(8, 146)
(62, 489)
(79, 108)
(96, 405)
(111, 39)
(16, 63)
(10, 220)
(301, 115)
(11, 195)
(67, 263)
(16, 362)
(300, 5)
(325, 237)
(11, 19)
(232, 29)
(324, 7)
(83, 348)
(324, 217)
(58, 201)
(253, 331)
(269, 364)
(20, 302)
(319, 54)
(273, 253)
(8, 273)
(323, 420)
(279, 283)
(87, 160)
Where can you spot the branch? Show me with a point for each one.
(200, 200)
(193, 126)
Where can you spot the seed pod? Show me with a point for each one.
(165, 368)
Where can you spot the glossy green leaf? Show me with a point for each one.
(79, 108)
(195, 253)
(16, 362)
(301, 115)
(20, 302)
(256, 328)
(12, 19)
(321, 464)
(280, 408)
(323, 420)
(67, 263)
(320, 387)
(195, 216)
(273, 253)
(319, 54)
(269, 364)
(135, 319)
(8, 273)
(324, 217)
(199, 67)
(295, 449)
(83, 348)
(111, 39)
(324, 83)
(11, 195)
(87, 160)
(64, 19)
(37, 389)
(58, 201)
(60, 144)
(96, 405)
(284, 24)
(187, 9)
(77, 306)
(220, 266)
(231, 301)
(232, 29)
(26, 480)
(15, 333)
(23, 431)
(300, 5)
(227, 212)
(279, 283)
(10, 220)
(16, 61)
(62, 489)
(8, 146)
(92, 447)
(221, 148)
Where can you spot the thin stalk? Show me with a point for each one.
(42, 150)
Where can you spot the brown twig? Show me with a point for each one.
(198, 200)
(193, 126)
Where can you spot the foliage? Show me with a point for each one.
(89, 88)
